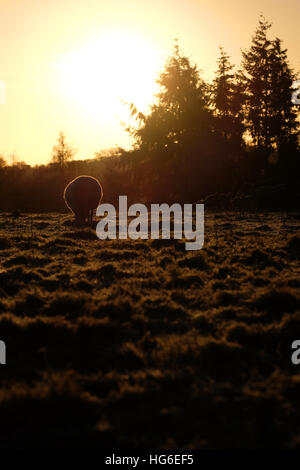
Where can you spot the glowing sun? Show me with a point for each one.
(116, 67)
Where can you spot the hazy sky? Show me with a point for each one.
(67, 64)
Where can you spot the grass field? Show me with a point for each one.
(139, 344)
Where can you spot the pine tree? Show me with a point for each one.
(181, 113)
(258, 91)
(222, 85)
(270, 116)
(177, 134)
(227, 103)
(284, 125)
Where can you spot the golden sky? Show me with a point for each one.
(67, 64)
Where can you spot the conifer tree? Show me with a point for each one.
(256, 73)
(181, 113)
(227, 102)
(283, 124)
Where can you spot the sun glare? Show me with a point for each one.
(117, 67)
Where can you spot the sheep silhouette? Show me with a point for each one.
(82, 195)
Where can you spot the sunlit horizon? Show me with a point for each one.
(70, 66)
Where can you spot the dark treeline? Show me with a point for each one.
(239, 132)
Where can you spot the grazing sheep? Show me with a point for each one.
(82, 195)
